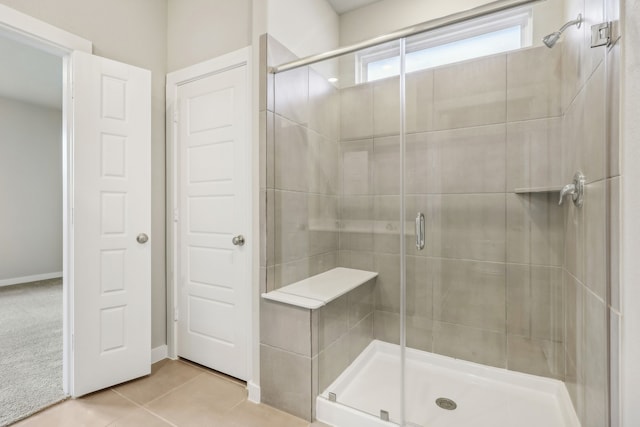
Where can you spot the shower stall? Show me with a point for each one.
(438, 172)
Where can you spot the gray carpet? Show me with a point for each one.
(30, 348)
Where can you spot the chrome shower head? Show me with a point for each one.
(551, 39)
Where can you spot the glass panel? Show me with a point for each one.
(337, 198)
(473, 47)
(509, 291)
(500, 32)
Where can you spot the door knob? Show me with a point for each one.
(238, 240)
(142, 238)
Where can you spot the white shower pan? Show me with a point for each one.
(485, 396)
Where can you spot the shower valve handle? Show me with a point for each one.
(569, 189)
(575, 189)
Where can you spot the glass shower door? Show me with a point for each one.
(484, 234)
(359, 359)
(440, 171)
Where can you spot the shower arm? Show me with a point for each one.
(577, 22)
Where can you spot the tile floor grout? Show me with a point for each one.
(140, 407)
(184, 384)
(192, 395)
(159, 417)
(203, 372)
(172, 390)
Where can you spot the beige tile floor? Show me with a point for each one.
(177, 393)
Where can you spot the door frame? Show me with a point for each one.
(238, 58)
(40, 35)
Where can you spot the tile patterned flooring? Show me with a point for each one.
(177, 393)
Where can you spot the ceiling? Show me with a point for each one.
(343, 6)
(30, 75)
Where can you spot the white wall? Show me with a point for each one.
(305, 27)
(630, 198)
(390, 15)
(203, 29)
(30, 191)
(135, 32)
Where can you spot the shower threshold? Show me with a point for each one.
(484, 396)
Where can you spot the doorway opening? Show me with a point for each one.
(106, 137)
(31, 229)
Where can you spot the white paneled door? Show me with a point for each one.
(111, 270)
(214, 201)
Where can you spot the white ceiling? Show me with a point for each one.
(343, 6)
(30, 75)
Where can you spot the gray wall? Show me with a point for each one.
(30, 190)
(134, 32)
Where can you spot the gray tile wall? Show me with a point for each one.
(300, 185)
(488, 285)
(302, 351)
(509, 280)
(345, 328)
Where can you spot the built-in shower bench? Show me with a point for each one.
(310, 331)
(321, 289)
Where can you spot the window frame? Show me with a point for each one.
(522, 17)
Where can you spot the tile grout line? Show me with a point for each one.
(139, 406)
(159, 416)
(172, 390)
(202, 373)
(125, 397)
(214, 373)
(235, 406)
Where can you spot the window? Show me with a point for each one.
(486, 36)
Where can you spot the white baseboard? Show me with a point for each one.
(254, 392)
(27, 279)
(159, 353)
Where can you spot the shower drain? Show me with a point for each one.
(447, 404)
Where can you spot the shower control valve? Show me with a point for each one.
(575, 189)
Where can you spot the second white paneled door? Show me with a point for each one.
(111, 223)
(214, 201)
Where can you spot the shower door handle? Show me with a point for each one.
(420, 231)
